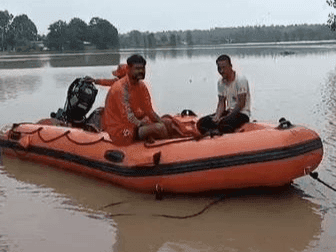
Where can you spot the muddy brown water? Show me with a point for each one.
(44, 208)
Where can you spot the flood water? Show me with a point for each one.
(47, 209)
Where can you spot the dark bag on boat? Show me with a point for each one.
(94, 120)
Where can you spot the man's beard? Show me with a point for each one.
(140, 77)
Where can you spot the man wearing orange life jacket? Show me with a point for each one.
(128, 114)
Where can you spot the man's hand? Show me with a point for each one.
(89, 79)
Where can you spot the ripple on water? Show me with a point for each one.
(4, 247)
(35, 218)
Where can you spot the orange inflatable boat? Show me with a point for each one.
(256, 155)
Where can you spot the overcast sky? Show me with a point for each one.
(158, 15)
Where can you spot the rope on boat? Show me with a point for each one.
(65, 134)
(53, 139)
(314, 175)
(170, 141)
(102, 139)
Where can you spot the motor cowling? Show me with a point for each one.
(81, 96)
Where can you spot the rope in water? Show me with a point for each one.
(1, 160)
(192, 215)
(314, 175)
(164, 215)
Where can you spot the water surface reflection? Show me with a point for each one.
(104, 58)
(36, 217)
(15, 83)
(78, 60)
(59, 60)
(259, 220)
(298, 86)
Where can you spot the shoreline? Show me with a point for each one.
(330, 44)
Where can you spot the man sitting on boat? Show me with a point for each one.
(233, 108)
(128, 113)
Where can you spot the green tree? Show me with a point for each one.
(189, 38)
(135, 38)
(332, 18)
(103, 34)
(5, 21)
(151, 41)
(57, 36)
(77, 33)
(172, 39)
(23, 31)
(164, 39)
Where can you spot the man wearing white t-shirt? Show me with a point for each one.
(233, 109)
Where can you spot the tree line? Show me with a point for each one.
(16, 31)
(72, 36)
(217, 36)
(20, 32)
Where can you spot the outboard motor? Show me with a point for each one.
(80, 98)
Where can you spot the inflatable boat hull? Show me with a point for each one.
(258, 155)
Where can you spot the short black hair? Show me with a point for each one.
(224, 57)
(136, 59)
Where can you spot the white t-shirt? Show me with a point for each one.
(232, 90)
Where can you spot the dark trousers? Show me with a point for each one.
(226, 125)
